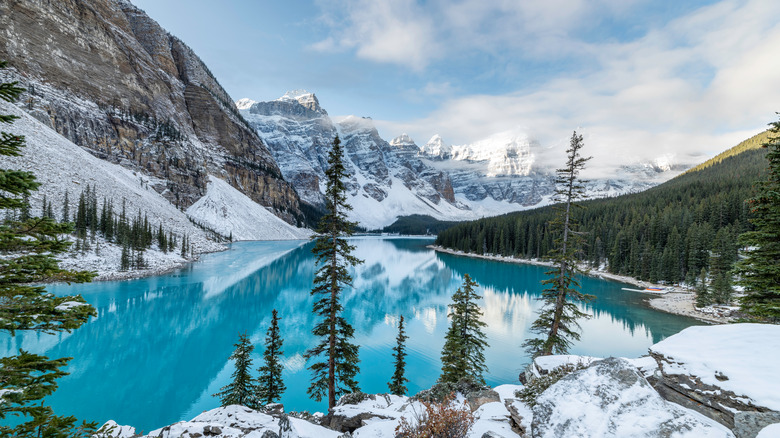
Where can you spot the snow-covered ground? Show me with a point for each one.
(229, 212)
(63, 167)
(741, 358)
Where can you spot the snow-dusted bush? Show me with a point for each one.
(437, 420)
(538, 385)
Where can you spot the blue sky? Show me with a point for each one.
(641, 79)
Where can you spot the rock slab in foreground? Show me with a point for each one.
(726, 372)
(612, 399)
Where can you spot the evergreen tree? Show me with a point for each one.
(760, 270)
(29, 247)
(243, 389)
(558, 317)
(270, 384)
(703, 295)
(397, 384)
(462, 355)
(66, 208)
(334, 372)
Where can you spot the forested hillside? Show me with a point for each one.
(668, 233)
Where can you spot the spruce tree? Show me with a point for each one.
(243, 388)
(336, 358)
(462, 355)
(703, 295)
(557, 320)
(760, 269)
(270, 384)
(29, 248)
(397, 384)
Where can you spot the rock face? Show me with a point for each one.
(109, 78)
(392, 175)
(612, 399)
(706, 369)
(389, 179)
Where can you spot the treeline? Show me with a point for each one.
(133, 232)
(670, 233)
(418, 224)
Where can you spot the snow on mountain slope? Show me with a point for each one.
(230, 212)
(61, 166)
(506, 153)
(390, 179)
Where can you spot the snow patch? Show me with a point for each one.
(229, 212)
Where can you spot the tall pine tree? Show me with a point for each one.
(557, 320)
(242, 390)
(397, 384)
(29, 248)
(760, 269)
(336, 365)
(462, 355)
(270, 385)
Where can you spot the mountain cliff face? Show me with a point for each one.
(396, 178)
(385, 179)
(110, 79)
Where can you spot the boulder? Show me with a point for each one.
(612, 399)
(727, 373)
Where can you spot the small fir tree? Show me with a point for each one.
(397, 384)
(703, 295)
(462, 355)
(29, 248)
(243, 389)
(334, 372)
(558, 317)
(760, 269)
(270, 383)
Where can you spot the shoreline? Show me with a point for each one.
(676, 302)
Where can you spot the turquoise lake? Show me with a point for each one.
(159, 347)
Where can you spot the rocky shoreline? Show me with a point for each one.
(706, 381)
(678, 302)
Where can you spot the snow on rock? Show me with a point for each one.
(63, 167)
(67, 305)
(236, 422)
(244, 103)
(113, 430)
(230, 212)
(771, 431)
(612, 399)
(740, 358)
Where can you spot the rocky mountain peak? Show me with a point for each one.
(245, 103)
(403, 141)
(305, 98)
(436, 149)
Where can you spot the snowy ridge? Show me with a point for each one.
(231, 213)
(493, 176)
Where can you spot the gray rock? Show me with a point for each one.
(475, 399)
(269, 434)
(749, 424)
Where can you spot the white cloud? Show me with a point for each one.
(693, 87)
(394, 31)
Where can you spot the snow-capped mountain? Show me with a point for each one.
(390, 179)
(386, 179)
(110, 79)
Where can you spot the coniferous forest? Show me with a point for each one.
(669, 233)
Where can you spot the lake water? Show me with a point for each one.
(159, 347)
